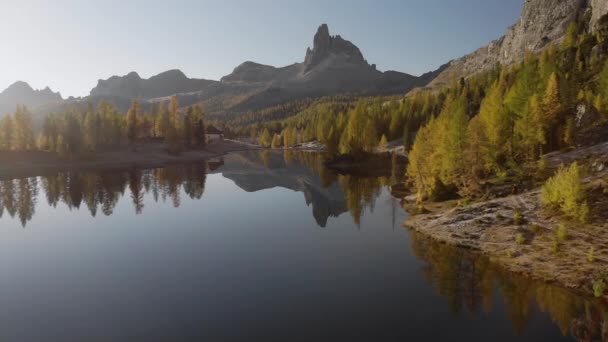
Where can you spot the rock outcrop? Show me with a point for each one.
(541, 22)
(20, 93)
(599, 8)
(325, 45)
(333, 66)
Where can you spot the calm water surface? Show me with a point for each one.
(256, 246)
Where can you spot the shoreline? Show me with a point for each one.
(492, 227)
(31, 164)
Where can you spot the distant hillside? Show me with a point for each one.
(20, 93)
(333, 66)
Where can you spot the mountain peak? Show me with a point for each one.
(21, 93)
(325, 45)
(18, 88)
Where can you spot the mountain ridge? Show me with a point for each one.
(332, 66)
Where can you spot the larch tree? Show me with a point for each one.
(173, 110)
(188, 126)
(24, 134)
(163, 122)
(602, 89)
(454, 119)
(6, 132)
(551, 109)
(199, 129)
(383, 141)
(90, 129)
(265, 138)
(529, 132)
(370, 136)
(276, 141)
(496, 123)
(132, 115)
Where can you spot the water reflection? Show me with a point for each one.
(470, 284)
(101, 191)
(469, 281)
(329, 193)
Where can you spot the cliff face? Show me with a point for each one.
(541, 22)
(325, 45)
(599, 8)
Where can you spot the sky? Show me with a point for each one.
(69, 44)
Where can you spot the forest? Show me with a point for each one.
(494, 123)
(75, 132)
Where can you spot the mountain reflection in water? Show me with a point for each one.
(429, 281)
(329, 194)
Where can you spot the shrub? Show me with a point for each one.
(535, 228)
(541, 167)
(591, 255)
(519, 238)
(564, 191)
(599, 287)
(555, 246)
(518, 217)
(561, 233)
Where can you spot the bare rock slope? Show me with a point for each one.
(541, 22)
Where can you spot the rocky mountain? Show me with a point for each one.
(541, 23)
(20, 93)
(252, 171)
(164, 84)
(333, 66)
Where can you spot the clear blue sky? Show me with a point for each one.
(69, 45)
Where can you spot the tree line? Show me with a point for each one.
(77, 131)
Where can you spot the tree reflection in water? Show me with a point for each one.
(101, 190)
(468, 280)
